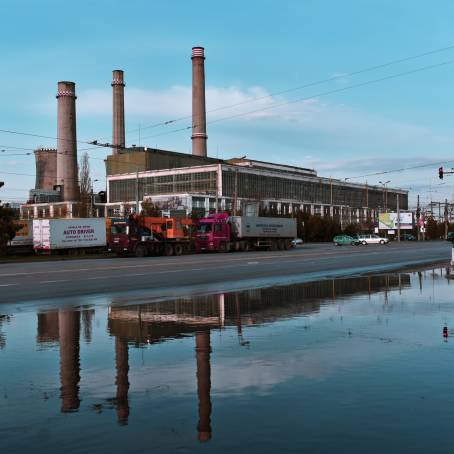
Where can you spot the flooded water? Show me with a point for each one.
(347, 365)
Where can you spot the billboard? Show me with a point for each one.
(388, 221)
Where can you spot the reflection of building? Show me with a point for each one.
(153, 322)
(150, 323)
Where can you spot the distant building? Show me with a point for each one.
(177, 181)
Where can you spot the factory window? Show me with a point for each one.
(125, 190)
(251, 186)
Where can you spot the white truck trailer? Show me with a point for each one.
(258, 227)
(69, 234)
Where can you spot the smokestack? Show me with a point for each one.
(118, 126)
(199, 136)
(46, 168)
(66, 141)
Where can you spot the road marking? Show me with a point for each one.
(207, 259)
(252, 263)
(51, 282)
(7, 285)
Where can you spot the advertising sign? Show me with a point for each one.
(388, 221)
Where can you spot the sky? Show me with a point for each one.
(270, 59)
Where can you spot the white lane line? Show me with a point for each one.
(183, 264)
(52, 282)
(252, 263)
(7, 285)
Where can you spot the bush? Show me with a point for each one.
(8, 228)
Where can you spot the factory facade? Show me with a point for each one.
(197, 185)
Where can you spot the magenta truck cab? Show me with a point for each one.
(213, 233)
(223, 233)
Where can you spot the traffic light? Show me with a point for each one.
(2, 183)
(440, 173)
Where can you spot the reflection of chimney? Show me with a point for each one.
(199, 136)
(47, 327)
(87, 321)
(66, 141)
(203, 350)
(122, 364)
(46, 168)
(118, 126)
(69, 326)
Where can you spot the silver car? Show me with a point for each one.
(372, 239)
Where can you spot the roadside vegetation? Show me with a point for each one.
(8, 228)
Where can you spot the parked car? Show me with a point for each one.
(407, 237)
(450, 237)
(372, 239)
(339, 240)
(297, 242)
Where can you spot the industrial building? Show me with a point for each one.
(193, 184)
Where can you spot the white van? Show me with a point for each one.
(372, 239)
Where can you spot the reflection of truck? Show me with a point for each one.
(223, 233)
(144, 236)
(23, 241)
(64, 234)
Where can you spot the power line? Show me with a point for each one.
(420, 166)
(307, 98)
(301, 87)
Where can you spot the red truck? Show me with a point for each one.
(221, 232)
(142, 236)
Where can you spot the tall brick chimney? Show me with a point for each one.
(199, 136)
(118, 96)
(67, 176)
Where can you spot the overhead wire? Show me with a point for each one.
(307, 98)
(301, 87)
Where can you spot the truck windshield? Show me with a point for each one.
(118, 228)
(204, 228)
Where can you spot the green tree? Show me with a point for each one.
(8, 228)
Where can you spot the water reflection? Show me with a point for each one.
(143, 324)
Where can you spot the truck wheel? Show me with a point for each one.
(141, 251)
(246, 246)
(168, 250)
(280, 245)
(273, 246)
(178, 249)
(287, 245)
(222, 247)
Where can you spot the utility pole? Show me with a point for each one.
(446, 219)
(418, 215)
(217, 183)
(331, 208)
(137, 191)
(398, 217)
(235, 193)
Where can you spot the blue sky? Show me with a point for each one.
(253, 49)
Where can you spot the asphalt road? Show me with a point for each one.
(159, 277)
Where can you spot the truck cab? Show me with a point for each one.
(213, 233)
(126, 235)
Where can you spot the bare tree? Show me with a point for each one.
(85, 185)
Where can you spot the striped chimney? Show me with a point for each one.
(199, 136)
(118, 97)
(67, 176)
